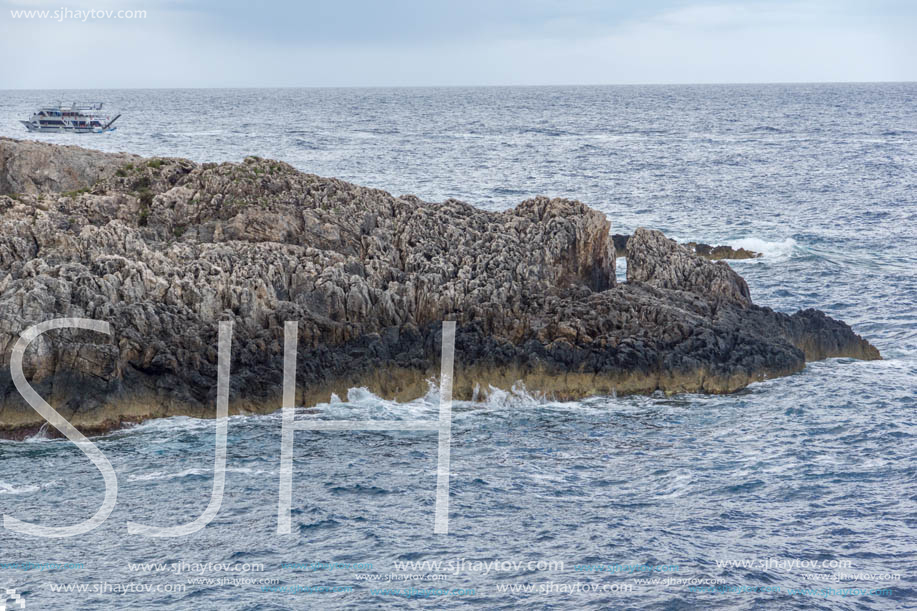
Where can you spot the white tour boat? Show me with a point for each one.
(76, 118)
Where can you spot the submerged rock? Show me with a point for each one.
(163, 249)
(720, 252)
(713, 253)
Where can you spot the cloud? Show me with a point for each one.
(414, 42)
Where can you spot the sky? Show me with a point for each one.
(340, 43)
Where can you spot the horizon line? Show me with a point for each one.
(632, 84)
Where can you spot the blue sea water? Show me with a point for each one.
(816, 467)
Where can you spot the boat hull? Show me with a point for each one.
(65, 129)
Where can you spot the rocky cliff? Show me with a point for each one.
(163, 249)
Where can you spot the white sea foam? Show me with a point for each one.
(517, 396)
(783, 249)
(40, 435)
(176, 423)
(6, 488)
(771, 249)
(157, 475)
(163, 475)
(362, 404)
(215, 132)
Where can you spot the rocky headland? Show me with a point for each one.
(164, 249)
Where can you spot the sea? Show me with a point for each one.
(795, 493)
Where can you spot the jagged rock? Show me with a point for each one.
(163, 249)
(36, 167)
(654, 259)
(720, 252)
(713, 253)
(620, 242)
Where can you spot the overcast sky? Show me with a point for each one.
(237, 43)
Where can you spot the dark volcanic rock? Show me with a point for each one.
(163, 249)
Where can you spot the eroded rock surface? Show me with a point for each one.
(654, 259)
(37, 167)
(163, 249)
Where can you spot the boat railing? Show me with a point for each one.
(74, 106)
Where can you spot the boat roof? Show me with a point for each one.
(73, 106)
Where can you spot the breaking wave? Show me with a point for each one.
(783, 249)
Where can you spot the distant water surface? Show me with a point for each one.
(822, 179)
